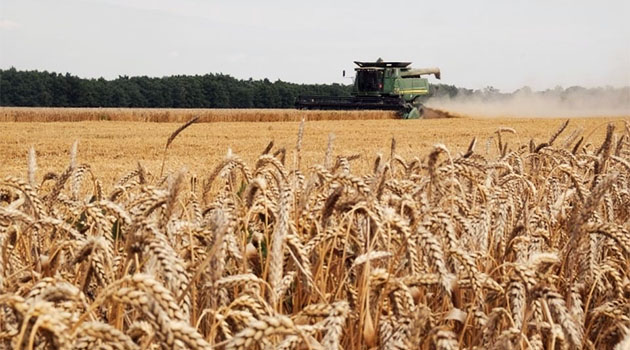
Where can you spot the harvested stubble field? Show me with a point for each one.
(322, 245)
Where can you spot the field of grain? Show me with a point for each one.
(111, 148)
(180, 115)
(391, 235)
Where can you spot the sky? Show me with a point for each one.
(504, 44)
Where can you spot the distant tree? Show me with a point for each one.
(34, 88)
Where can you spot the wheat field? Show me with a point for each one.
(180, 115)
(514, 236)
(111, 147)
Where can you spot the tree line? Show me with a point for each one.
(45, 89)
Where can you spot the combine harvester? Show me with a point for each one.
(381, 85)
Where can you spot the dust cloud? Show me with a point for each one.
(558, 102)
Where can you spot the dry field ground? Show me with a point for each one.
(520, 242)
(111, 148)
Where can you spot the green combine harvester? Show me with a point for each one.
(380, 85)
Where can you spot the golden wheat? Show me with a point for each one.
(180, 115)
(528, 249)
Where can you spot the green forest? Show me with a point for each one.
(45, 89)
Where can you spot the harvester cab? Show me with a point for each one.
(380, 85)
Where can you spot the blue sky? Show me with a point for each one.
(505, 44)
